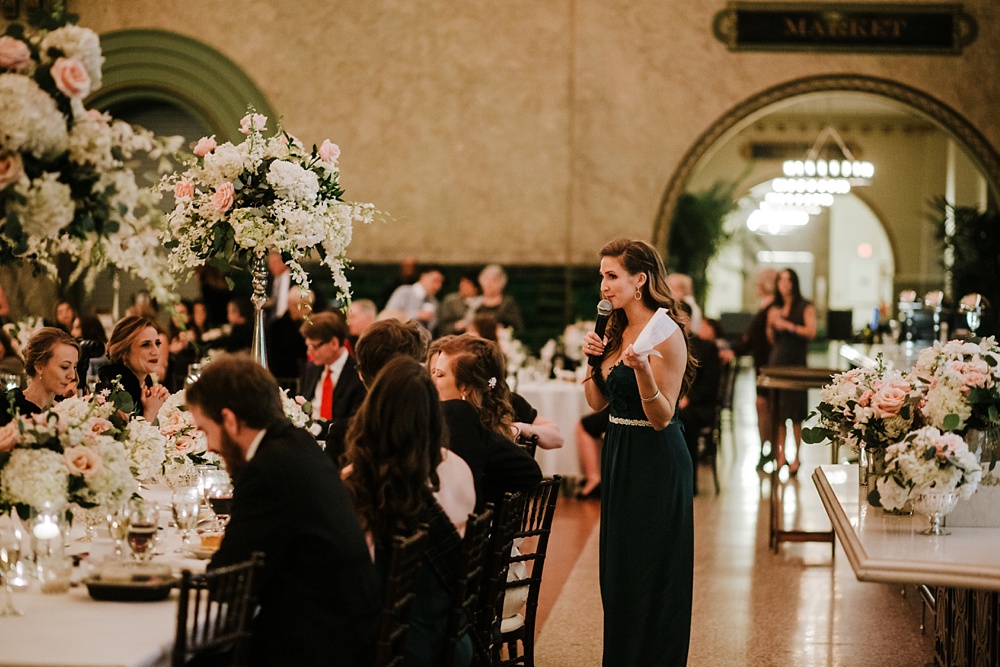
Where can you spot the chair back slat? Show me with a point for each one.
(528, 443)
(404, 567)
(214, 611)
(466, 600)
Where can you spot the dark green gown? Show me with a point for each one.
(647, 533)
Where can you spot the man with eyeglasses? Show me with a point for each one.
(330, 380)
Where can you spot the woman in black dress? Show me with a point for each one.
(791, 324)
(134, 351)
(647, 509)
(50, 359)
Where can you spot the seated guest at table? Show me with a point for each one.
(469, 375)
(457, 308)
(484, 325)
(239, 314)
(492, 280)
(360, 316)
(380, 343)
(696, 409)
(10, 361)
(65, 314)
(89, 332)
(401, 475)
(589, 440)
(50, 359)
(319, 592)
(417, 301)
(286, 348)
(330, 379)
(134, 352)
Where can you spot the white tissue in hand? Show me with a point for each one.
(659, 328)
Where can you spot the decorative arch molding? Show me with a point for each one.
(169, 67)
(983, 154)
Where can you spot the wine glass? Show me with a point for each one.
(10, 554)
(117, 518)
(219, 494)
(143, 520)
(185, 503)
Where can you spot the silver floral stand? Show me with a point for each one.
(258, 272)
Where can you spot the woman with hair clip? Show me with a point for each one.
(134, 351)
(50, 359)
(647, 524)
(400, 475)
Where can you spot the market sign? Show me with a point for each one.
(859, 28)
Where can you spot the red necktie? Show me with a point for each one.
(326, 404)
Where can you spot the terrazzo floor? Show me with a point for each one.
(802, 606)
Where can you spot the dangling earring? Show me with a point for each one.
(638, 294)
(463, 395)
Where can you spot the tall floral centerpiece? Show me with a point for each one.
(236, 203)
(66, 189)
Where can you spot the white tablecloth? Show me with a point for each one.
(564, 403)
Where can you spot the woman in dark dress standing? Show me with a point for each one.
(50, 359)
(134, 351)
(791, 324)
(647, 524)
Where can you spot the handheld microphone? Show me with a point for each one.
(604, 310)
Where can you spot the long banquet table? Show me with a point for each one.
(962, 569)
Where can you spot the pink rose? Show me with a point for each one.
(205, 146)
(174, 425)
(98, 425)
(329, 152)
(184, 189)
(10, 435)
(14, 54)
(187, 444)
(866, 398)
(223, 197)
(11, 169)
(71, 77)
(82, 460)
(889, 401)
(253, 122)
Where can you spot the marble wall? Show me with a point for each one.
(519, 131)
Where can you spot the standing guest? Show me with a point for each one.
(696, 409)
(330, 379)
(791, 324)
(318, 592)
(286, 348)
(492, 280)
(647, 522)
(10, 361)
(401, 475)
(754, 342)
(682, 289)
(457, 308)
(417, 301)
(215, 293)
(469, 375)
(134, 352)
(50, 359)
(360, 316)
(280, 277)
(65, 314)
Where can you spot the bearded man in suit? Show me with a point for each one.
(318, 591)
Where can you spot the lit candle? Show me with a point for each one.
(46, 530)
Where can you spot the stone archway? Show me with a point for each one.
(982, 153)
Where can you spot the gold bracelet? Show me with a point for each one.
(651, 398)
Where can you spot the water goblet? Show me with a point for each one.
(117, 518)
(185, 503)
(143, 521)
(10, 554)
(219, 494)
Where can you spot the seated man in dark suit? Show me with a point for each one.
(330, 379)
(319, 591)
(697, 408)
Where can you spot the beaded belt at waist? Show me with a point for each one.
(630, 422)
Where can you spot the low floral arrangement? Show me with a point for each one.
(185, 446)
(235, 203)
(66, 454)
(962, 384)
(65, 185)
(874, 407)
(926, 461)
(299, 412)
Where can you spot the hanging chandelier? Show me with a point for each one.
(815, 174)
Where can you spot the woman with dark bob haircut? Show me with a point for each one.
(400, 475)
(50, 359)
(134, 351)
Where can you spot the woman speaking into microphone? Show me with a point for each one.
(647, 528)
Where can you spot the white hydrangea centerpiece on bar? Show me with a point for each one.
(236, 203)
(963, 384)
(66, 188)
(926, 461)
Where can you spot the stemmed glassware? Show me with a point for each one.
(10, 554)
(218, 490)
(117, 518)
(143, 522)
(186, 502)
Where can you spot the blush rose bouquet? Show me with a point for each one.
(235, 203)
(962, 384)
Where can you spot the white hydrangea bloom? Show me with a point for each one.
(35, 477)
(146, 447)
(48, 207)
(29, 119)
